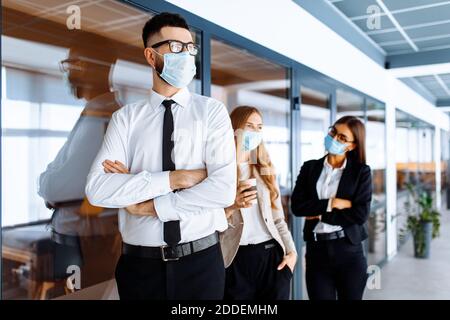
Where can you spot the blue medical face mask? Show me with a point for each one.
(333, 146)
(251, 139)
(179, 68)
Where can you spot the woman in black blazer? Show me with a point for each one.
(334, 194)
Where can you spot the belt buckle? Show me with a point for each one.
(163, 254)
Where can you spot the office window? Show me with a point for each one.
(415, 163)
(240, 78)
(349, 104)
(373, 116)
(376, 159)
(315, 120)
(445, 168)
(427, 164)
(59, 89)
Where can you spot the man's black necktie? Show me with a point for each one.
(172, 233)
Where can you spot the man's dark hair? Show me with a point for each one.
(164, 19)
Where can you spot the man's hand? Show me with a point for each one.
(341, 204)
(183, 179)
(312, 218)
(179, 179)
(114, 167)
(145, 208)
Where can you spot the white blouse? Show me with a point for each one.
(327, 186)
(255, 230)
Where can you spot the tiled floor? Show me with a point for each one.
(405, 277)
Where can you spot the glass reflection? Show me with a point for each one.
(83, 235)
(315, 121)
(241, 78)
(60, 87)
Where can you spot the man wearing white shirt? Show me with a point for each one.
(168, 163)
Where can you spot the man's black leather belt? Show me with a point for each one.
(167, 253)
(329, 236)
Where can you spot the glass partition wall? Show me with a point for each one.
(315, 119)
(372, 113)
(445, 169)
(376, 159)
(240, 78)
(349, 104)
(416, 169)
(59, 89)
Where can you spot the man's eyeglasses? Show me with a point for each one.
(340, 137)
(178, 46)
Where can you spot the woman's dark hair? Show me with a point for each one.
(359, 133)
(164, 19)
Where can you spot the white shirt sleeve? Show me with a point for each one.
(218, 190)
(117, 190)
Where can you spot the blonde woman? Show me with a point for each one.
(258, 249)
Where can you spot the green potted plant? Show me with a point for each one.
(423, 221)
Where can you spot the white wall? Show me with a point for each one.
(285, 27)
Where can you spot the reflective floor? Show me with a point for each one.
(405, 277)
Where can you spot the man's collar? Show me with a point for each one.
(181, 98)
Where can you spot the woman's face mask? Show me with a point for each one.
(179, 68)
(251, 139)
(333, 146)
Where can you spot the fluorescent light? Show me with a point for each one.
(417, 71)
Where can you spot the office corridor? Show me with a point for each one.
(405, 277)
(97, 65)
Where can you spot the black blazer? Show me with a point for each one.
(355, 185)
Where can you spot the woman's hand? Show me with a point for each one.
(290, 260)
(243, 198)
(114, 167)
(341, 203)
(229, 212)
(312, 218)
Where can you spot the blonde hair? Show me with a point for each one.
(262, 163)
